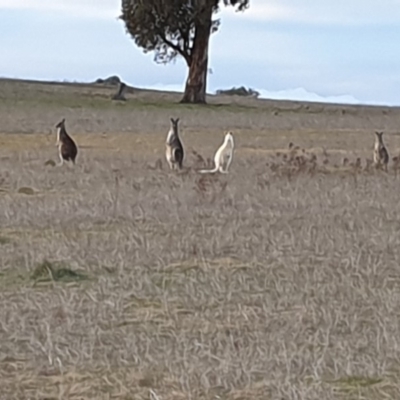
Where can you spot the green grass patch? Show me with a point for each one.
(47, 271)
(103, 101)
(351, 383)
(10, 278)
(4, 240)
(26, 190)
(52, 163)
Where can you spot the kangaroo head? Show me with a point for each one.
(228, 137)
(61, 124)
(379, 136)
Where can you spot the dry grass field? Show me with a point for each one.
(120, 279)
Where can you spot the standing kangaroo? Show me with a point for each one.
(174, 148)
(66, 146)
(381, 155)
(223, 156)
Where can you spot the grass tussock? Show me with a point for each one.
(50, 163)
(4, 240)
(26, 190)
(356, 382)
(47, 271)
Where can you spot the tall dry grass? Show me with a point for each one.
(121, 279)
(275, 281)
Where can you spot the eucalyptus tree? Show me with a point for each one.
(173, 28)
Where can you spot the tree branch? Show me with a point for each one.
(178, 49)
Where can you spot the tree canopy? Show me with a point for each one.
(168, 26)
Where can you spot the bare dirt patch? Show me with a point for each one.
(279, 280)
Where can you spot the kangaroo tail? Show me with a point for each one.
(208, 171)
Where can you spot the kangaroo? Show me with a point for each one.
(223, 156)
(174, 148)
(381, 155)
(66, 146)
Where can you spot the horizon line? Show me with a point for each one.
(158, 88)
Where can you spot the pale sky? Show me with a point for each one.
(323, 50)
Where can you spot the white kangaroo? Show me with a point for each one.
(223, 156)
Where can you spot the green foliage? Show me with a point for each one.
(168, 27)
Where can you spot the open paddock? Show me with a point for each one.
(121, 279)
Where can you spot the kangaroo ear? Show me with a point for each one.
(177, 120)
(61, 123)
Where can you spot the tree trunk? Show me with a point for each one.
(120, 94)
(196, 83)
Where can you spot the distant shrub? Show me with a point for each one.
(111, 80)
(238, 91)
